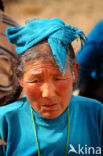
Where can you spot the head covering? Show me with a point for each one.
(58, 34)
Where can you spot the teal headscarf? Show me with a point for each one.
(58, 34)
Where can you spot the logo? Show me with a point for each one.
(84, 150)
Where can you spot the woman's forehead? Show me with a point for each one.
(41, 66)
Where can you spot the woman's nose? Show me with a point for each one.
(48, 89)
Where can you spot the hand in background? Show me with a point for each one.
(2, 143)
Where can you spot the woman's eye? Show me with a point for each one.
(36, 81)
(57, 79)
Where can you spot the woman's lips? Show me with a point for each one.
(50, 106)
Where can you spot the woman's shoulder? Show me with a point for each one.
(12, 107)
(87, 103)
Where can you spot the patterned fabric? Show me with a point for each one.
(7, 52)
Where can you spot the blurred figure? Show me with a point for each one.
(8, 55)
(90, 59)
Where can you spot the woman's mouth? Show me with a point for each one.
(50, 106)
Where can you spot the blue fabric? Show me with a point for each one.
(85, 129)
(59, 36)
(90, 57)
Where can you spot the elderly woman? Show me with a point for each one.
(49, 120)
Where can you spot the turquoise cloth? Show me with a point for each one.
(58, 34)
(16, 127)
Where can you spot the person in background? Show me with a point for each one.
(90, 59)
(49, 120)
(8, 55)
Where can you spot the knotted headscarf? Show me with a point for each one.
(58, 34)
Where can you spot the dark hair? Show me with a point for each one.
(1, 5)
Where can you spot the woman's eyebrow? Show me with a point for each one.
(58, 74)
(36, 75)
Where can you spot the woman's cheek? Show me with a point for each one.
(64, 87)
(32, 90)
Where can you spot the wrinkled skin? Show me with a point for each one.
(47, 89)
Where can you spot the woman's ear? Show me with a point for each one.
(75, 72)
(20, 81)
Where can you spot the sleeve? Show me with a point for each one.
(100, 124)
(1, 150)
(88, 56)
(102, 131)
(3, 131)
(1, 147)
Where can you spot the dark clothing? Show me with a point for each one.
(90, 59)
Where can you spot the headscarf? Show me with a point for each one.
(57, 33)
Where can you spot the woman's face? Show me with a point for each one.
(47, 89)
